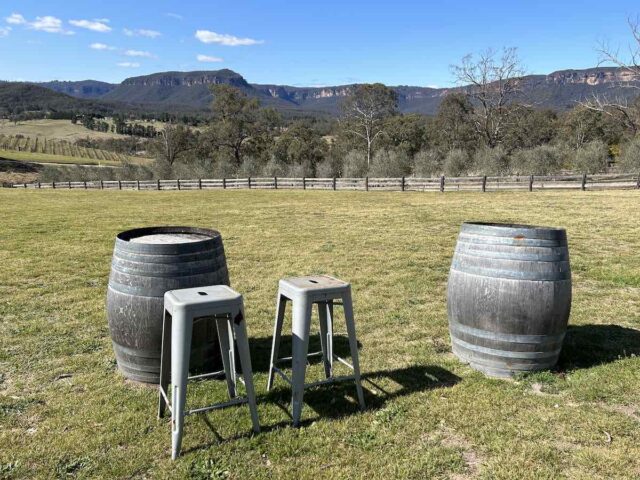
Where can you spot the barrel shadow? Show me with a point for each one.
(586, 346)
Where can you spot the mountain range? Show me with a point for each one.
(188, 91)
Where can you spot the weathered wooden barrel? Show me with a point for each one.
(509, 297)
(146, 263)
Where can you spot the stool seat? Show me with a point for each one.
(201, 299)
(182, 308)
(312, 285)
(303, 293)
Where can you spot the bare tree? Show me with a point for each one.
(491, 83)
(175, 140)
(365, 112)
(622, 108)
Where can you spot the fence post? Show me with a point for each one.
(275, 182)
(442, 183)
(334, 183)
(304, 183)
(484, 183)
(249, 181)
(178, 180)
(199, 184)
(158, 184)
(224, 183)
(53, 185)
(402, 185)
(68, 185)
(138, 184)
(366, 184)
(584, 182)
(85, 185)
(101, 185)
(39, 185)
(531, 183)
(119, 185)
(638, 182)
(25, 184)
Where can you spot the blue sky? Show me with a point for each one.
(298, 43)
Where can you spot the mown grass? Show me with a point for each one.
(65, 411)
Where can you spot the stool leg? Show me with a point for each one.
(240, 328)
(165, 363)
(325, 339)
(300, 343)
(281, 305)
(225, 336)
(182, 328)
(353, 344)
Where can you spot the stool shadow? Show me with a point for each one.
(339, 400)
(261, 350)
(587, 346)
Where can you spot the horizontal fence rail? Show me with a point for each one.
(403, 184)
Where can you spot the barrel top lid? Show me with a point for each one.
(166, 238)
(513, 225)
(515, 231)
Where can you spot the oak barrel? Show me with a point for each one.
(146, 263)
(509, 297)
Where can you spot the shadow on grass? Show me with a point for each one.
(587, 346)
(339, 400)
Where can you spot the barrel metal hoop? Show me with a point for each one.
(510, 274)
(506, 337)
(504, 353)
(462, 249)
(512, 241)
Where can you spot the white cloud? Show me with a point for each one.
(174, 15)
(101, 46)
(15, 19)
(139, 53)
(433, 86)
(208, 59)
(49, 24)
(206, 36)
(99, 25)
(4, 31)
(128, 64)
(141, 32)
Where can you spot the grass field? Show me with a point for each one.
(36, 157)
(65, 411)
(57, 129)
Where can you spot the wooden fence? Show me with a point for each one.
(408, 184)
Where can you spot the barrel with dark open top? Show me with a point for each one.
(509, 297)
(147, 262)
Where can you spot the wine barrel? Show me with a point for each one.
(509, 297)
(146, 263)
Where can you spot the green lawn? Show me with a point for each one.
(65, 410)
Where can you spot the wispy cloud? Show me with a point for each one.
(4, 31)
(98, 25)
(49, 24)
(141, 32)
(139, 53)
(101, 46)
(209, 59)
(174, 15)
(128, 64)
(15, 19)
(207, 36)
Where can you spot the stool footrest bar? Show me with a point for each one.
(343, 361)
(217, 406)
(282, 374)
(288, 359)
(207, 375)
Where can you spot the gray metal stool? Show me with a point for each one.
(182, 307)
(303, 292)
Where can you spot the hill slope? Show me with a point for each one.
(189, 91)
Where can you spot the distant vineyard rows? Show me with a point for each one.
(57, 147)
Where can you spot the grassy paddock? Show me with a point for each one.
(64, 409)
(37, 157)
